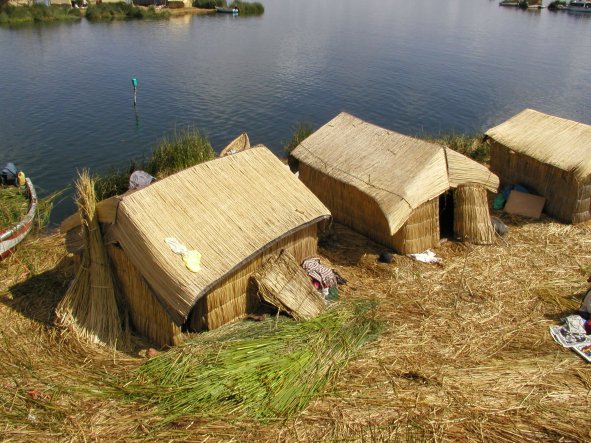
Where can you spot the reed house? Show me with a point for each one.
(395, 189)
(226, 216)
(549, 155)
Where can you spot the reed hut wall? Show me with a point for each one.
(471, 215)
(421, 230)
(347, 204)
(568, 199)
(352, 207)
(230, 300)
(148, 316)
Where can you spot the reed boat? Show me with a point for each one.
(579, 6)
(13, 235)
(227, 10)
(240, 143)
(522, 4)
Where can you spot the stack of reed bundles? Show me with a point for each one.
(284, 284)
(471, 215)
(90, 306)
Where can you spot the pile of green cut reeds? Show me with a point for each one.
(14, 205)
(261, 370)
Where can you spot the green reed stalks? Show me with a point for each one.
(270, 369)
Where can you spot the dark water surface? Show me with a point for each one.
(418, 67)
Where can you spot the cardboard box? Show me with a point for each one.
(528, 205)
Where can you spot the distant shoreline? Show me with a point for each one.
(13, 15)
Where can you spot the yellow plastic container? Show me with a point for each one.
(20, 178)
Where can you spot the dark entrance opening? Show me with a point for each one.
(446, 215)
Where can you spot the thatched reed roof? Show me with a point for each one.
(399, 172)
(562, 143)
(229, 210)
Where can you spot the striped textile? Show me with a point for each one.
(325, 276)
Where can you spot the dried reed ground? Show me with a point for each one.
(466, 356)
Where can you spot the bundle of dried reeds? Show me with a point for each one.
(471, 215)
(90, 307)
(283, 283)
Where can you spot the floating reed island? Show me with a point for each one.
(451, 351)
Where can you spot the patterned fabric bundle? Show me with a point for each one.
(325, 276)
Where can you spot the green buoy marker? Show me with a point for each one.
(134, 84)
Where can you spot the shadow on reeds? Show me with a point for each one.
(345, 247)
(37, 297)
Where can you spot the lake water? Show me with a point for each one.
(417, 67)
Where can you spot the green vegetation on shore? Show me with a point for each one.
(249, 8)
(183, 149)
(471, 145)
(122, 11)
(557, 4)
(15, 15)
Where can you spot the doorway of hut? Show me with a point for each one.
(446, 215)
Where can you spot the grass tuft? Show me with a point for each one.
(184, 149)
(301, 131)
(471, 145)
